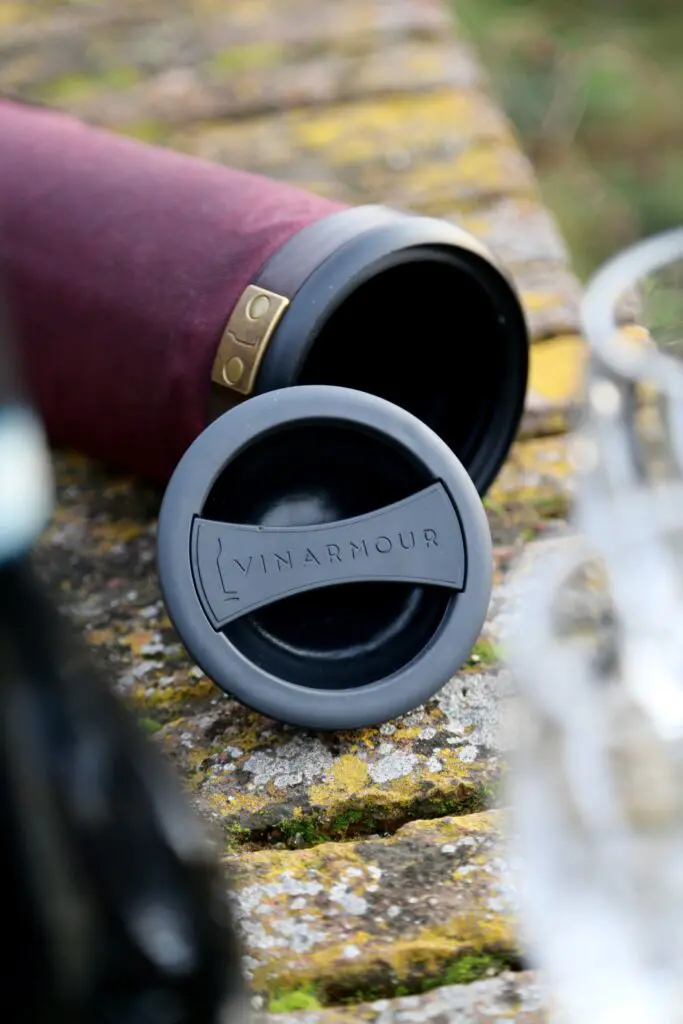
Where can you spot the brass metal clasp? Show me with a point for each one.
(246, 338)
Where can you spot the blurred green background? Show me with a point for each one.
(596, 96)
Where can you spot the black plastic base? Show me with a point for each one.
(325, 557)
(410, 309)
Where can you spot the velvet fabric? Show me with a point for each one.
(123, 263)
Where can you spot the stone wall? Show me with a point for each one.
(366, 864)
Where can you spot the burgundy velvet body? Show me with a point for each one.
(123, 264)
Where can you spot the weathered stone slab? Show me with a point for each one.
(252, 81)
(433, 152)
(264, 782)
(82, 32)
(432, 903)
(510, 997)
(260, 781)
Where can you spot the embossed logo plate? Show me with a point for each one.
(240, 568)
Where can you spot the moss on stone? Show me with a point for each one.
(237, 835)
(484, 654)
(468, 968)
(463, 971)
(149, 725)
(366, 819)
(379, 983)
(300, 831)
(295, 1000)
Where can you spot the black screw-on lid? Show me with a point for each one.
(325, 557)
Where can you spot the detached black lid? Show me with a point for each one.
(325, 557)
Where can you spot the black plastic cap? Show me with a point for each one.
(325, 557)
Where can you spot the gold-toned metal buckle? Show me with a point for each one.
(246, 338)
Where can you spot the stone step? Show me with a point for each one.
(259, 780)
(365, 920)
(81, 36)
(506, 998)
(231, 82)
(381, 134)
(262, 782)
(440, 153)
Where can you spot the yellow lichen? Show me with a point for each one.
(348, 775)
(354, 791)
(229, 807)
(253, 57)
(175, 695)
(473, 928)
(97, 637)
(556, 368)
(138, 641)
(495, 168)
(352, 133)
(536, 302)
(12, 14)
(449, 829)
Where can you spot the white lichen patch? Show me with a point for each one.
(468, 753)
(393, 766)
(396, 893)
(267, 931)
(349, 902)
(474, 705)
(299, 761)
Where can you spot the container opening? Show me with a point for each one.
(426, 335)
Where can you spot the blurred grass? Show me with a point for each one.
(595, 94)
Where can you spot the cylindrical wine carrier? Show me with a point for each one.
(152, 291)
(322, 547)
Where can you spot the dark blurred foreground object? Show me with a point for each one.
(153, 291)
(114, 909)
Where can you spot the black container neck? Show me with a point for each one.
(445, 337)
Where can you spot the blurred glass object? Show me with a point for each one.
(597, 651)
